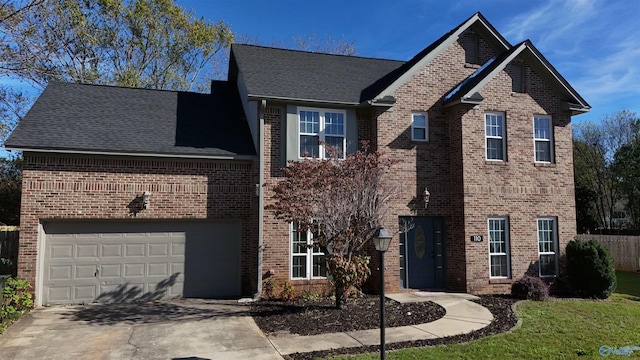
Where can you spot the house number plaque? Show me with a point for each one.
(476, 238)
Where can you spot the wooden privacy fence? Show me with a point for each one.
(9, 250)
(624, 249)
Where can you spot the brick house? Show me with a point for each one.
(133, 193)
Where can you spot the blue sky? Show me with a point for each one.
(594, 44)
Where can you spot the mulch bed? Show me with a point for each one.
(313, 317)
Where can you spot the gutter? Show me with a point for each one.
(263, 106)
(87, 152)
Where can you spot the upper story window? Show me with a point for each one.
(543, 138)
(547, 246)
(307, 260)
(419, 127)
(319, 129)
(495, 136)
(498, 247)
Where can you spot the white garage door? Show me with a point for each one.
(133, 261)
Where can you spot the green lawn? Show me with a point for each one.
(555, 329)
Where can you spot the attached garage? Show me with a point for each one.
(120, 261)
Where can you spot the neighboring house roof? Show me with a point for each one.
(279, 74)
(469, 90)
(116, 120)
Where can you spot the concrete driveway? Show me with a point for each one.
(182, 329)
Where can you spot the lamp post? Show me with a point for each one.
(381, 239)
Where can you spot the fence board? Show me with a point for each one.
(624, 249)
(9, 250)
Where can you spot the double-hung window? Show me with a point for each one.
(419, 127)
(495, 136)
(307, 260)
(319, 130)
(543, 139)
(547, 246)
(498, 247)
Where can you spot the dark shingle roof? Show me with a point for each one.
(299, 75)
(91, 118)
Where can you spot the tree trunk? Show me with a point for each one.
(339, 295)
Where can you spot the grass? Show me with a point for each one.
(554, 329)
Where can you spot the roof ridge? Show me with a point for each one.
(316, 52)
(68, 83)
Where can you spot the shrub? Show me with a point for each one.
(530, 288)
(287, 292)
(16, 301)
(590, 270)
(270, 288)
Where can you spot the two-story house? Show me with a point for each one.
(132, 192)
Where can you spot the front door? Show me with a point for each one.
(423, 252)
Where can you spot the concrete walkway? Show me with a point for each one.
(462, 316)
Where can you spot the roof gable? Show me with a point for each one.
(410, 68)
(469, 90)
(80, 118)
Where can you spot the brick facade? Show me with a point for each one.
(465, 188)
(81, 187)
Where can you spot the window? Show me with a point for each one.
(419, 127)
(494, 133)
(316, 126)
(307, 261)
(499, 247)
(547, 245)
(543, 142)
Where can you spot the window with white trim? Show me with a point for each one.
(319, 129)
(547, 246)
(495, 136)
(543, 138)
(307, 260)
(498, 247)
(419, 126)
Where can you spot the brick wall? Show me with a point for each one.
(465, 189)
(105, 187)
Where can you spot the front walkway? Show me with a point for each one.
(462, 316)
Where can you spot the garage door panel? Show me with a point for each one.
(111, 250)
(86, 251)
(133, 250)
(126, 261)
(60, 272)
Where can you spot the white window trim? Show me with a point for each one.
(506, 244)
(321, 135)
(554, 221)
(550, 140)
(503, 137)
(308, 256)
(425, 127)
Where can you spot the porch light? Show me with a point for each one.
(381, 239)
(146, 199)
(427, 196)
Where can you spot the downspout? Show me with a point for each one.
(263, 106)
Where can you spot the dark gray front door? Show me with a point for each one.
(424, 253)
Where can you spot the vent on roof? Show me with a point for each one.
(517, 77)
(470, 43)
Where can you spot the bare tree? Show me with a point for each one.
(342, 202)
(595, 147)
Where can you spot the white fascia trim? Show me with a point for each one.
(84, 152)
(559, 81)
(430, 56)
(282, 98)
